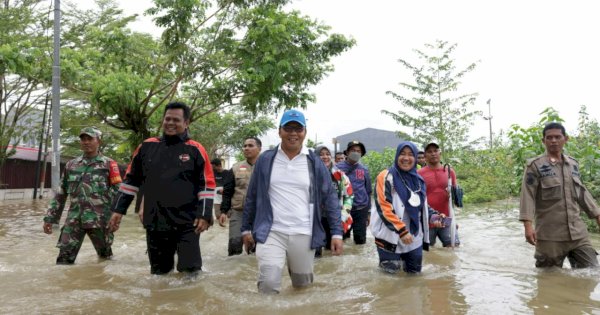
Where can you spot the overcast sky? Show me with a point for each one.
(532, 55)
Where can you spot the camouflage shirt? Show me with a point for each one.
(91, 184)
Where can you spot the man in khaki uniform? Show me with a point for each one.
(552, 193)
(241, 172)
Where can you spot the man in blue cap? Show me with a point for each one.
(289, 188)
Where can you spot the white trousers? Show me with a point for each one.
(275, 252)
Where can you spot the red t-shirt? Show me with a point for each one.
(436, 182)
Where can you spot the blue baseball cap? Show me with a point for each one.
(292, 115)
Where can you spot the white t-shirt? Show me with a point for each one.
(290, 194)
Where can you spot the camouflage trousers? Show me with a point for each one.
(71, 238)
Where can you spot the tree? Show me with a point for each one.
(433, 109)
(222, 134)
(24, 64)
(227, 56)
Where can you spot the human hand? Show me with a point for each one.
(47, 228)
(222, 219)
(141, 215)
(201, 225)
(337, 246)
(249, 244)
(115, 221)
(530, 235)
(407, 239)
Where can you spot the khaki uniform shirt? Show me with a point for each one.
(242, 172)
(552, 195)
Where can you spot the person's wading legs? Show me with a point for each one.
(235, 235)
(272, 257)
(102, 241)
(583, 255)
(359, 224)
(161, 251)
(413, 260)
(189, 258)
(69, 243)
(300, 260)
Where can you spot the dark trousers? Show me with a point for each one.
(360, 216)
(162, 246)
(412, 261)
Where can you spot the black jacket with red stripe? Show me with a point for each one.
(176, 181)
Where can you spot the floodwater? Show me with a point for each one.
(492, 273)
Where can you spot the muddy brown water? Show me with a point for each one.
(493, 273)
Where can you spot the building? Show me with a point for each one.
(373, 139)
(17, 174)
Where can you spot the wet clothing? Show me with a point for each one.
(258, 213)
(162, 246)
(553, 196)
(279, 249)
(444, 235)
(361, 205)
(401, 208)
(242, 171)
(91, 184)
(280, 234)
(580, 253)
(179, 187)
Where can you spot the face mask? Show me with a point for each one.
(354, 157)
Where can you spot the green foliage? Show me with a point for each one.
(24, 65)
(377, 162)
(485, 175)
(243, 56)
(222, 134)
(526, 143)
(431, 105)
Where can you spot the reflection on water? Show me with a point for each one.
(493, 273)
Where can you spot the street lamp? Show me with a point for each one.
(489, 118)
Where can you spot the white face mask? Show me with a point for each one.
(354, 157)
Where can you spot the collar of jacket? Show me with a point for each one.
(183, 137)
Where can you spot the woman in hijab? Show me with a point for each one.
(401, 223)
(344, 190)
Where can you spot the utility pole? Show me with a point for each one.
(39, 157)
(56, 100)
(489, 118)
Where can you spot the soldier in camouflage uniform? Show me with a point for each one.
(91, 180)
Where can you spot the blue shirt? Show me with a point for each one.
(361, 183)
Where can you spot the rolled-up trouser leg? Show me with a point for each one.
(235, 235)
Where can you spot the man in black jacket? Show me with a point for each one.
(179, 188)
(225, 187)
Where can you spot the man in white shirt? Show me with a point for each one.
(288, 190)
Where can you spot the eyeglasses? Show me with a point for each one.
(292, 128)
